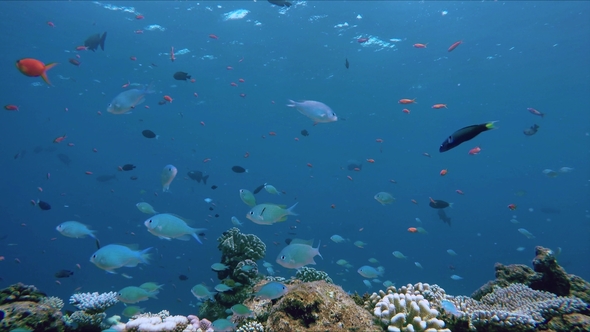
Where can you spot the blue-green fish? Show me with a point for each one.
(134, 294)
(128, 100)
(74, 229)
(114, 256)
(247, 197)
(240, 310)
(298, 254)
(223, 325)
(151, 286)
(272, 290)
(369, 272)
(201, 292)
(168, 174)
(132, 310)
(268, 214)
(168, 226)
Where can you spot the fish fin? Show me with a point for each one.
(185, 237)
(165, 238)
(318, 249)
(102, 39)
(198, 230)
(301, 241)
(97, 243)
(144, 256)
(290, 211)
(293, 104)
(205, 179)
(451, 205)
(284, 218)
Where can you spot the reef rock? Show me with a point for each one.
(318, 306)
(31, 315)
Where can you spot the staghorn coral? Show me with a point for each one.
(406, 309)
(516, 307)
(94, 303)
(52, 301)
(85, 321)
(252, 326)
(160, 322)
(309, 274)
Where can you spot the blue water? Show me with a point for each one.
(514, 55)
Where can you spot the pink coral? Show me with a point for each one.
(203, 324)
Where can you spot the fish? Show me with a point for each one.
(168, 226)
(222, 288)
(369, 272)
(315, 110)
(346, 64)
(455, 44)
(94, 41)
(271, 189)
(535, 112)
(354, 165)
(268, 214)
(34, 68)
(219, 267)
(63, 274)
(532, 130)
(145, 208)
(127, 100)
(247, 197)
(239, 169)
(43, 205)
(258, 189)
(151, 286)
(149, 134)
(439, 204)
(106, 178)
(128, 167)
(240, 310)
(168, 174)
(359, 244)
(465, 134)
(298, 254)
(304, 132)
(443, 216)
(202, 292)
(223, 324)
(456, 277)
(280, 3)
(450, 308)
(398, 254)
(114, 256)
(76, 230)
(182, 277)
(133, 294)
(271, 291)
(181, 76)
(526, 233)
(131, 311)
(384, 198)
(337, 238)
(198, 176)
(451, 252)
(64, 159)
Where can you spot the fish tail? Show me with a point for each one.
(318, 249)
(292, 103)
(490, 125)
(144, 256)
(290, 210)
(451, 205)
(196, 236)
(102, 39)
(153, 294)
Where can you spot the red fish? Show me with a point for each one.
(34, 68)
(475, 150)
(132, 58)
(420, 45)
(233, 84)
(454, 46)
(172, 58)
(212, 36)
(439, 106)
(241, 80)
(407, 101)
(168, 98)
(512, 207)
(535, 112)
(81, 48)
(460, 192)
(139, 32)
(139, 17)
(59, 139)
(11, 107)
(444, 172)
(405, 110)
(51, 24)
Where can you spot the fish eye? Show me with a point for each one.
(251, 212)
(150, 221)
(93, 256)
(283, 257)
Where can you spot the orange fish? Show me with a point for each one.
(309, 165)
(371, 160)
(168, 98)
(412, 230)
(81, 48)
(407, 101)
(437, 106)
(139, 17)
(59, 139)
(475, 150)
(512, 207)
(11, 107)
(420, 45)
(454, 46)
(34, 68)
(241, 80)
(443, 172)
(212, 36)
(405, 110)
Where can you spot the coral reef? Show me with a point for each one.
(93, 303)
(515, 308)
(26, 307)
(236, 247)
(546, 275)
(163, 321)
(406, 309)
(52, 301)
(252, 326)
(309, 274)
(318, 306)
(246, 272)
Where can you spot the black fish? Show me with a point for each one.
(258, 189)
(532, 130)
(94, 41)
(438, 204)
(443, 216)
(214, 187)
(64, 159)
(182, 277)
(97, 243)
(63, 274)
(239, 169)
(198, 176)
(346, 64)
(280, 3)
(106, 178)
(149, 134)
(128, 167)
(304, 132)
(43, 205)
(181, 76)
(464, 134)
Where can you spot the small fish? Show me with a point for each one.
(360, 244)
(304, 132)
(384, 198)
(369, 272)
(34, 68)
(222, 288)
(236, 222)
(550, 173)
(346, 64)
(526, 233)
(337, 238)
(418, 265)
(271, 189)
(456, 277)
(168, 174)
(219, 267)
(398, 254)
(454, 46)
(94, 41)
(11, 107)
(512, 207)
(532, 130)
(475, 150)
(133, 310)
(181, 76)
(272, 290)
(240, 310)
(43, 205)
(76, 230)
(566, 169)
(151, 286)
(450, 308)
(247, 197)
(127, 100)
(182, 277)
(268, 214)
(149, 134)
(439, 204)
(342, 262)
(75, 62)
(315, 110)
(465, 134)
(128, 167)
(420, 45)
(280, 3)
(451, 252)
(114, 256)
(239, 169)
(132, 294)
(168, 226)
(202, 292)
(439, 106)
(298, 254)
(198, 176)
(63, 274)
(145, 208)
(535, 112)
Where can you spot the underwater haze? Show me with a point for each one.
(517, 63)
